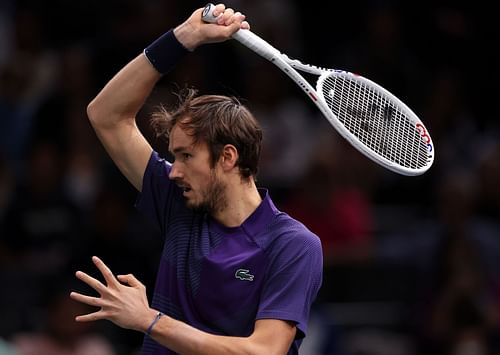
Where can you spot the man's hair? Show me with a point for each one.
(216, 120)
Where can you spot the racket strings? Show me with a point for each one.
(375, 121)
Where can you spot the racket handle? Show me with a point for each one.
(208, 13)
(245, 37)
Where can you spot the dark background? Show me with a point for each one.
(411, 263)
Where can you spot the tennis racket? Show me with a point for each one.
(369, 117)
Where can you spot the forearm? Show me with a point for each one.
(184, 339)
(123, 96)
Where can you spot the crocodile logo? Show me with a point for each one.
(244, 275)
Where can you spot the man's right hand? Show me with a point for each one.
(195, 32)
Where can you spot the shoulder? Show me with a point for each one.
(289, 234)
(293, 252)
(288, 227)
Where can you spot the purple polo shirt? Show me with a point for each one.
(220, 279)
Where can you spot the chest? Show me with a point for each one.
(214, 280)
(232, 275)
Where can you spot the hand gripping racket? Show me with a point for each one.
(368, 116)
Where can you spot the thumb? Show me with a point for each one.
(130, 280)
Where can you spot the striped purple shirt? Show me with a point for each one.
(220, 279)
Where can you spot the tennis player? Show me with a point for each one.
(236, 276)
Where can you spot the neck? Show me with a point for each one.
(243, 198)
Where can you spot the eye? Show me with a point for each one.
(186, 156)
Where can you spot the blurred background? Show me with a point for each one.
(411, 263)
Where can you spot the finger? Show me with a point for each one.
(237, 18)
(225, 17)
(219, 9)
(245, 25)
(234, 26)
(89, 280)
(91, 317)
(105, 271)
(91, 301)
(131, 280)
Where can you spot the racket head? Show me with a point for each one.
(375, 122)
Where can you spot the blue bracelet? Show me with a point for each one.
(165, 52)
(157, 318)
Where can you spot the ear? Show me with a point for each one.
(229, 157)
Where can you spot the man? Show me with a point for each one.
(236, 275)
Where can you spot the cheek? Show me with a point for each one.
(201, 178)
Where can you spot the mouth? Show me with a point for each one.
(185, 189)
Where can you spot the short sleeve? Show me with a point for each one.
(155, 199)
(294, 278)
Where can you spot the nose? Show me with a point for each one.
(175, 172)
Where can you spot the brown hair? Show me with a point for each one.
(216, 120)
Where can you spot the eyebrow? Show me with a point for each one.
(179, 149)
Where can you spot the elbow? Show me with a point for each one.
(103, 117)
(92, 112)
(99, 118)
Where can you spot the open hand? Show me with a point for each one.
(123, 299)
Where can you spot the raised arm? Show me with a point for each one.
(113, 111)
